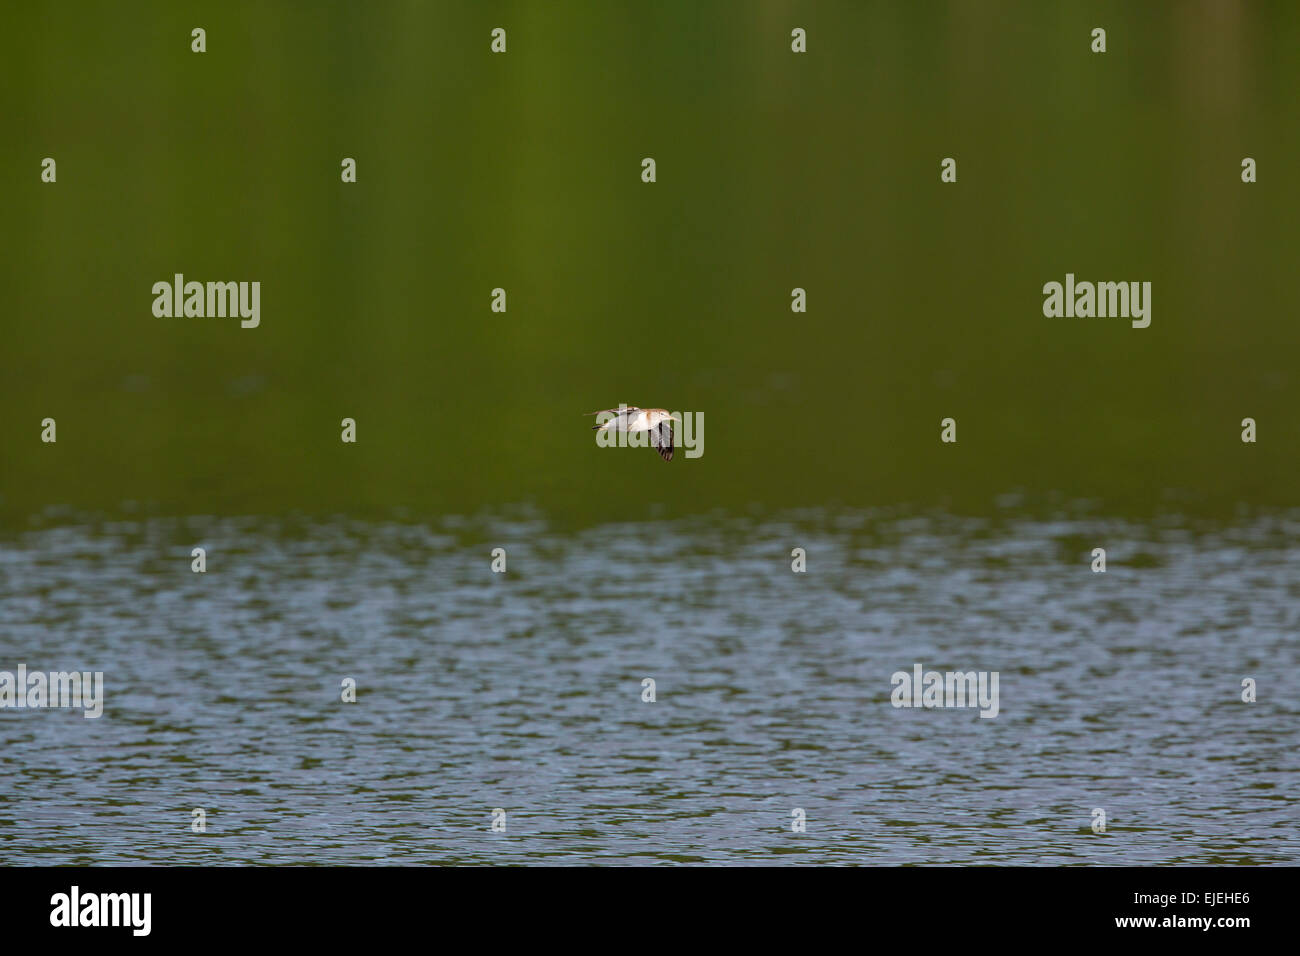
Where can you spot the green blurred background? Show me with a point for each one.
(522, 170)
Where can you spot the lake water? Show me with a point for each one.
(523, 690)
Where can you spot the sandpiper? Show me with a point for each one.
(657, 421)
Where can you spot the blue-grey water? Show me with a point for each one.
(522, 690)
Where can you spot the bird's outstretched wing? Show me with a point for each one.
(662, 439)
(629, 410)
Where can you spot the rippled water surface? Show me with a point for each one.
(523, 691)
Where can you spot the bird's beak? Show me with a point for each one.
(674, 418)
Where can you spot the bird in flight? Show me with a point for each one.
(656, 421)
